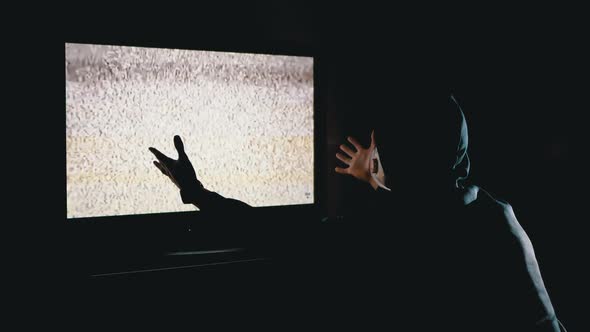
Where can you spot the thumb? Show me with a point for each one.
(373, 139)
(179, 147)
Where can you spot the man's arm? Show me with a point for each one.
(530, 298)
(207, 200)
(192, 191)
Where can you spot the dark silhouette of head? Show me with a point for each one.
(423, 142)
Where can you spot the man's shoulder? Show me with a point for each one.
(494, 211)
(477, 196)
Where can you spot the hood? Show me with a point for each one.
(461, 166)
(424, 143)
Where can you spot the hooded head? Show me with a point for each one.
(422, 143)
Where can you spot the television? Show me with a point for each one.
(246, 119)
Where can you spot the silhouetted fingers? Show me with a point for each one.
(357, 144)
(161, 168)
(343, 158)
(179, 147)
(347, 150)
(160, 156)
(341, 170)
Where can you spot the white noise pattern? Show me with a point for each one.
(246, 121)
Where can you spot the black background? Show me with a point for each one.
(519, 74)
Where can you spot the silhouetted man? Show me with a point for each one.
(437, 251)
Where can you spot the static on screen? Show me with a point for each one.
(246, 121)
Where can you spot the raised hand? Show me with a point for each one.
(180, 171)
(357, 159)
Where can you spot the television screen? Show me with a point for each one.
(247, 122)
